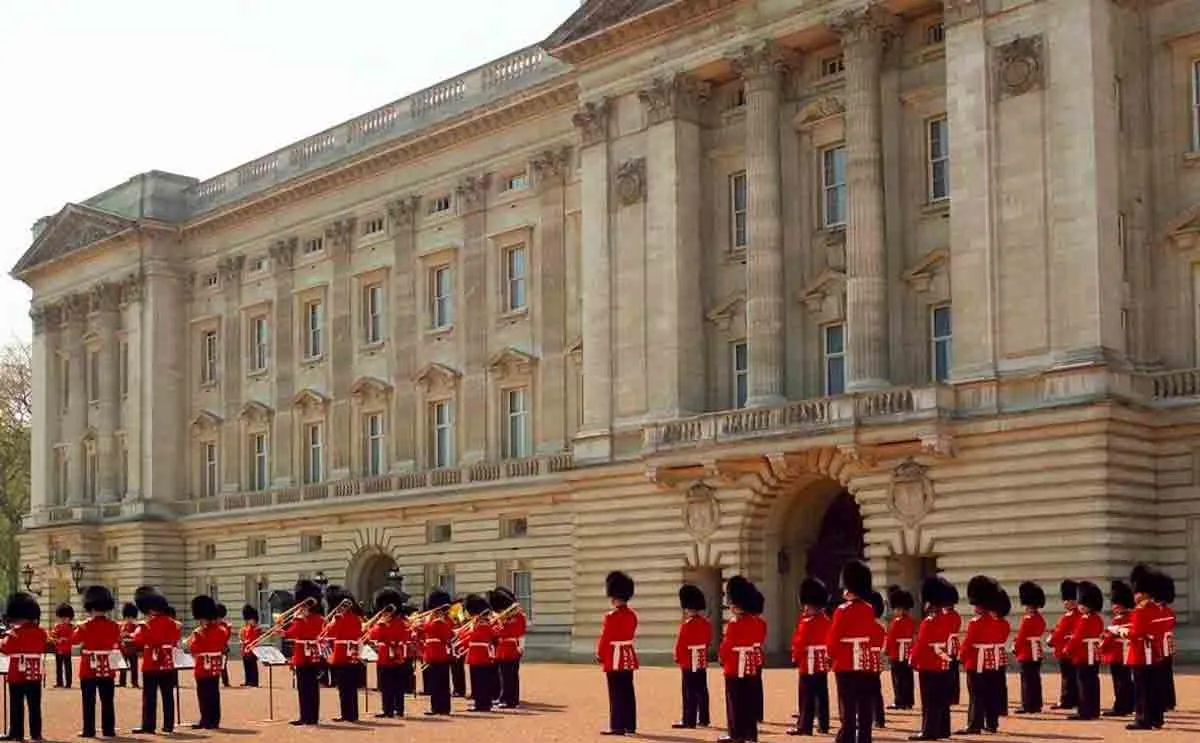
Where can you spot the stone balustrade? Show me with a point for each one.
(1177, 384)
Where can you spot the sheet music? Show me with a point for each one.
(117, 662)
(367, 654)
(3, 664)
(183, 660)
(270, 655)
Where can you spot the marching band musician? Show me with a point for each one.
(207, 645)
(1144, 643)
(1002, 610)
(901, 631)
(754, 611)
(983, 654)
(1113, 649)
(1166, 621)
(344, 629)
(458, 668)
(741, 660)
(61, 636)
(875, 659)
(247, 635)
(129, 614)
(223, 622)
(98, 637)
(1068, 697)
(24, 644)
(478, 638)
(1083, 650)
(390, 636)
(931, 659)
(850, 639)
(408, 669)
(1028, 646)
(616, 653)
(811, 655)
(691, 655)
(303, 632)
(157, 637)
(437, 633)
(510, 632)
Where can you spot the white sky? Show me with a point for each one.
(92, 93)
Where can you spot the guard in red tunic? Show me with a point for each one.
(1084, 650)
(810, 653)
(129, 623)
(1141, 632)
(616, 654)
(741, 658)
(408, 669)
(1003, 626)
(436, 633)
(691, 655)
(390, 636)
(1068, 697)
(754, 612)
(207, 645)
(343, 630)
(850, 639)
(510, 634)
(99, 639)
(61, 636)
(223, 622)
(984, 654)
(902, 629)
(1027, 648)
(157, 638)
(1166, 620)
(24, 645)
(247, 635)
(1114, 648)
(302, 631)
(931, 658)
(479, 655)
(878, 640)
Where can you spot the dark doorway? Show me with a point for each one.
(840, 539)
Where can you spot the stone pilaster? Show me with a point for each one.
(233, 449)
(864, 32)
(106, 299)
(762, 67)
(549, 171)
(75, 422)
(593, 443)
(45, 406)
(283, 255)
(473, 323)
(132, 290)
(339, 238)
(406, 330)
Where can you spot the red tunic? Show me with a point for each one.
(248, 634)
(479, 638)
(436, 635)
(1061, 635)
(691, 644)
(391, 638)
(615, 646)
(303, 632)
(983, 648)
(24, 646)
(1084, 647)
(930, 650)
(1027, 647)
(851, 635)
(900, 634)
(508, 637)
(417, 642)
(1164, 646)
(1140, 634)
(741, 652)
(1114, 647)
(955, 622)
(98, 638)
(345, 633)
(62, 634)
(207, 646)
(810, 648)
(128, 627)
(158, 637)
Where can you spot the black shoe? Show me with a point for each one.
(795, 731)
(1026, 712)
(993, 730)
(87, 735)
(10, 737)
(108, 734)
(922, 736)
(1079, 717)
(1064, 706)
(430, 713)
(137, 731)
(1138, 726)
(382, 715)
(970, 731)
(612, 732)
(682, 726)
(297, 723)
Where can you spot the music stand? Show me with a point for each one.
(367, 655)
(183, 662)
(4, 660)
(270, 657)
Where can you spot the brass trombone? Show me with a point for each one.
(345, 606)
(388, 611)
(422, 616)
(280, 622)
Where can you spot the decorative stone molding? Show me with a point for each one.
(829, 283)
(821, 109)
(592, 122)
(550, 167)
(955, 12)
(104, 296)
(1019, 66)
(920, 277)
(472, 191)
(701, 511)
(38, 315)
(230, 268)
(256, 413)
(910, 493)
(722, 315)
(132, 288)
(762, 63)
(206, 422)
(370, 388)
(74, 308)
(403, 211)
(339, 235)
(937, 444)
(575, 351)
(283, 253)
(872, 24)
(631, 181)
(437, 378)
(510, 363)
(309, 400)
(680, 96)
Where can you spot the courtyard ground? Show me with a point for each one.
(568, 703)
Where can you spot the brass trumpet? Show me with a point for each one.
(511, 611)
(422, 616)
(387, 611)
(345, 606)
(280, 622)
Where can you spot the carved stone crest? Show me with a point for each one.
(631, 181)
(1020, 66)
(592, 121)
(701, 511)
(340, 233)
(910, 494)
(679, 96)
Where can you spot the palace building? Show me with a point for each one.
(690, 288)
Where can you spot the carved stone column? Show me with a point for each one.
(340, 238)
(74, 317)
(45, 406)
(593, 443)
(106, 298)
(233, 446)
(549, 171)
(132, 290)
(761, 68)
(472, 326)
(406, 330)
(863, 33)
(283, 254)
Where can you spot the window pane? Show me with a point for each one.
(941, 322)
(834, 342)
(835, 376)
(941, 360)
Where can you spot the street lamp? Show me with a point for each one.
(77, 571)
(395, 579)
(320, 579)
(27, 577)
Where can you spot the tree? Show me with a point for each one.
(16, 414)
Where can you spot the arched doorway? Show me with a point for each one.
(368, 573)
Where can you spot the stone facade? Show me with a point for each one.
(672, 292)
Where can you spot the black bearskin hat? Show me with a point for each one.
(99, 598)
(898, 598)
(22, 605)
(129, 610)
(1144, 580)
(1166, 589)
(1001, 603)
(856, 578)
(618, 585)
(222, 610)
(1120, 594)
(758, 602)
(813, 593)
(408, 610)
(501, 598)
(1069, 590)
(437, 599)
(306, 589)
(249, 613)
(388, 596)
(148, 599)
(876, 601)
(939, 592)
(739, 592)
(476, 604)
(203, 607)
(170, 612)
(951, 594)
(65, 611)
(1090, 596)
(981, 591)
(1031, 594)
(691, 598)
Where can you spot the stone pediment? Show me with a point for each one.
(256, 412)
(511, 361)
(829, 283)
(601, 26)
(436, 376)
(206, 420)
(594, 16)
(370, 387)
(1184, 230)
(74, 227)
(723, 314)
(310, 399)
(931, 264)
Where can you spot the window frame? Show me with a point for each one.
(373, 303)
(829, 187)
(210, 346)
(314, 466)
(374, 444)
(123, 367)
(516, 448)
(210, 473)
(527, 603)
(515, 284)
(441, 306)
(91, 473)
(441, 204)
(830, 358)
(93, 376)
(739, 397)
(1194, 79)
(938, 341)
(374, 221)
(833, 65)
(432, 532)
(260, 344)
(439, 459)
(934, 160)
(314, 329)
(737, 229)
(260, 462)
(313, 246)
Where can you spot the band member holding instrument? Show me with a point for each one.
(479, 653)
(207, 645)
(247, 635)
(222, 621)
(875, 658)
(408, 669)
(691, 655)
(1113, 650)
(900, 634)
(343, 628)
(129, 623)
(1084, 650)
(931, 659)
(810, 653)
(1028, 646)
(458, 668)
(302, 626)
(157, 637)
(99, 638)
(388, 632)
(741, 660)
(1144, 642)
(24, 645)
(511, 626)
(1068, 697)
(436, 634)
(61, 636)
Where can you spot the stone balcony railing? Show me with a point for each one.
(1170, 387)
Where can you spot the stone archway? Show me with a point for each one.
(368, 572)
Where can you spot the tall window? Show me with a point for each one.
(208, 357)
(441, 427)
(314, 326)
(833, 180)
(208, 469)
(939, 159)
(123, 370)
(258, 461)
(834, 357)
(737, 210)
(263, 599)
(441, 308)
(939, 342)
(122, 466)
(740, 368)
(90, 474)
(373, 313)
(93, 380)
(514, 278)
(314, 438)
(61, 474)
(521, 582)
(64, 378)
(373, 444)
(517, 441)
(259, 344)
(1196, 105)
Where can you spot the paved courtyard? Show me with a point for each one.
(568, 703)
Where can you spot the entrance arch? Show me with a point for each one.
(368, 572)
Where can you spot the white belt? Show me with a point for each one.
(1035, 647)
(696, 652)
(96, 652)
(513, 640)
(26, 656)
(743, 651)
(346, 642)
(902, 647)
(814, 652)
(616, 651)
(491, 650)
(857, 643)
(1093, 646)
(307, 642)
(1168, 644)
(981, 654)
(939, 649)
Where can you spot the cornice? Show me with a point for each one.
(624, 34)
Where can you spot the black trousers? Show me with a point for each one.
(955, 682)
(935, 703)
(759, 702)
(984, 688)
(814, 703)
(1168, 679)
(458, 677)
(902, 685)
(1122, 680)
(22, 695)
(408, 677)
(154, 685)
(225, 675)
(694, 687)
(622, 701)
(250, 670)
(482, 691)
(208, 700)
(62, 670)
(1003, 693)
(436, 682)
(105, 689)
(1088, 678)
(880, 718)
(856, 705)
(1149, 701)
(510, 682)
(391, 689)
(1031, 686)
(740, 713)
(308, 693)
(1068, 696)
(132, 660)
(346, 678)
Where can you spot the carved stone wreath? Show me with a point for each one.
(910, 494)
(1020, 66)
(631, 181)
(701, 511)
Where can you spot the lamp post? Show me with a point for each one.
(321, 580)
(27, 577)
(77, 572)
(395, 579)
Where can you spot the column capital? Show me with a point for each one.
(955, 12)
(679, 96)
(762, 62)
(592, 121)
(104, 297)
(73, 311)
(870, 24)
(230, 269)
(132, 287)
(283, 253)
(472, 191)
(403, 211)
(340, 233)
(550, 167)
